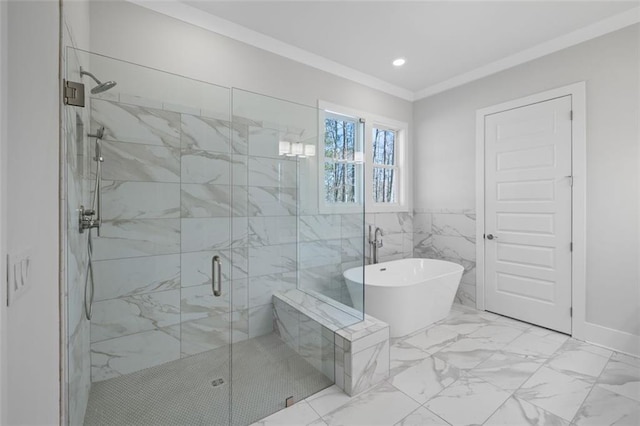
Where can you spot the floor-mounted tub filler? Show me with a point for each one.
(407, 294)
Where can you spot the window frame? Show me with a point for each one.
(401, 166)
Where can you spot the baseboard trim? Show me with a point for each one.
(613, 339)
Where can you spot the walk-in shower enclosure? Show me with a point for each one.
(193, 171)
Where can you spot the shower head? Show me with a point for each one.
(101, 87)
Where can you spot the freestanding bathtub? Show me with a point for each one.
(407, 294)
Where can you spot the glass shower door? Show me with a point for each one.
(152, 156)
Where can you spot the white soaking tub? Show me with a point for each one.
(407, 294)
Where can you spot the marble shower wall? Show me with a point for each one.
(449, 235)
(175, 184)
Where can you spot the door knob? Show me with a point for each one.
(491, 237)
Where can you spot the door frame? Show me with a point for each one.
(577, 91)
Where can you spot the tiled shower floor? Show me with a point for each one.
(479, 368)
(265, 372)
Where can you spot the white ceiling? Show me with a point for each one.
(441, 40)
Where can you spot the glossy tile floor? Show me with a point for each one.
(479, 368)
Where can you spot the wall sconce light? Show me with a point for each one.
(296, 149)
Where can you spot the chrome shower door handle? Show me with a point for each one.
(216, 277)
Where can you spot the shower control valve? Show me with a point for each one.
(87, 219)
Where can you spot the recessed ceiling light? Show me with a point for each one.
(399, 62)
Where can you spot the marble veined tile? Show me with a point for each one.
(468, 401)
(205, 234)
(422, 417)
(140, 200)
(369, 367)
(261, 320)
(239, 170)
(268, 260)
(205, 167)
(196, 267)
(127, 354)
(426, 379)
(433, 338)
(320, 227)
(134, 314)
(576, 360)
(501, 334)
(203, 200)
(468, 352)
(267, 201)
(394, 223)
(555, 392)
(533, 345)
(456, 225)
(520, 412)
(319, 253)
(507, 371)
(141, 163)
(279, 173)
(263, 142)
(299, 414)
(404, 356)
(199, 302)
(213, 332)
(465, 323)
(607, 408)
(271, 230)
(627, 359)
(422, 223)
(261, 288)
(382, 405)
(128, 277)
(132, 123)
(621, 378)
(457, 248)
(140, 237)
(328, 400)
(206, 134)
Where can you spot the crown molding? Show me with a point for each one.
(600, 28)
(207, 21)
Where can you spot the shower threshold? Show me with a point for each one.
(182, 392)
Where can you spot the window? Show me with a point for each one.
(364, 160)
(384, 166)
(341, 142)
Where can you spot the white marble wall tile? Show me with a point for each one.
(320, 227)
(280, 173)
(393, 245)
(352, 225)
(318, 253)
(467, 401)
(383, 405)
(131, 238)
(455, 225)
(269, 260)
(181, 108)
(134, 314)
(447, 247)
(139, 101)
(263, 142)
(205, 200)
(198, 302)
(239, 262)
(127, 354)
(239, 138)
(271, 230)
(260, 320)
(206, 134)
(132, 123)
(422, 223)
(287, 324)
(240, 201)
(394, 223)
(239, 232)
(370, 339)
(213, 332)
(141, 163)
(425, 379)
(555, 392)
(516, 411)
(205, 167)
(79, 372)
(352, 251)
(262, 288)
(205, 234)
(239, 170)
(128, 277)
(369, 367)
(621, 378)
(607, 408)
(265, 201)
(196, 267)
(140, 200)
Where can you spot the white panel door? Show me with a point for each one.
(528, 213)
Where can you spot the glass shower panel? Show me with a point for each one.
(157, 147)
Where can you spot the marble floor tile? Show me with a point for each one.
(468, 352)
(501, 334)
(422, 417)
(555, 392)
(621, 378)
(382, 405)
(433, 338)
(533, 345)
(520, 412)
(296, 415)
(404, 356)
(465, 322)
(579, 361)
(607, 408)
(328, 400)
(627, 359)
(469, 401)
(507, 371)
(426, 379)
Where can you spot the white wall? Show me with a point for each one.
(31, 348)
(444, 170)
